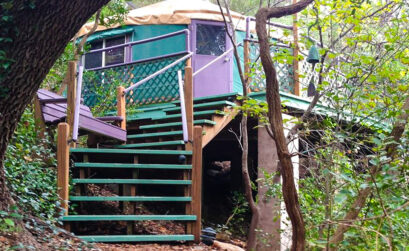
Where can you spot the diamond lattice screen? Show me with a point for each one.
(100, 85)
(284, 72)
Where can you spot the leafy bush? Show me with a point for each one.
(30, 170)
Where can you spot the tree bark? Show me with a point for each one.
(276, 121)
(39, 34)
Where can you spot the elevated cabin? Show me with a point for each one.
(159, 34)
(178, 86)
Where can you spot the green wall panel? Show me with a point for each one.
(237, 86)
(157, 48)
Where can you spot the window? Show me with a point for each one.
(106, 58)
(210, 39)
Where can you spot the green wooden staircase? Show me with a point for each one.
(154, 167)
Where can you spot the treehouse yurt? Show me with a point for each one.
(162, 33)
(156, 99)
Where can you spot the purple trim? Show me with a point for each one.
(128, 50)
(247, 27)
(111, 118)
(53, 100)
(142, 41)
(139, 61)
(188, 41)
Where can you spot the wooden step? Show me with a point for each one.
(152, 144)
(174, 124)
(155, 134)
(128, 151)
(131, 166)
(204, 105)
(211, 98)
(136, 238)
(129, 198)
(195, 114)
(128, 217)
(132, 181)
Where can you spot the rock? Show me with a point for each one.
(226, 246)
(223, 236)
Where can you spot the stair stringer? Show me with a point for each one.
(210, 132)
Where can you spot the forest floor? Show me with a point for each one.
(47, 238)
(35, 234)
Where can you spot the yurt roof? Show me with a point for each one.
(174, 12)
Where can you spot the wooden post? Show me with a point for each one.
(121, 106)
(63, 160)
(132, 205)
(71, 94)
(297, 90)
(197, 182)
(38, 118)
(246, 57)
(189, 103)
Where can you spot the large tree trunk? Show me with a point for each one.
(276, 121)
(39, 33)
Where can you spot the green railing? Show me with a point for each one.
(100, 85)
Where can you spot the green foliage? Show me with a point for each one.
(103, 90)
(113, 13)
(7, 30)
(57, 73)
(7, 220)
(236, 223)
(30, 170)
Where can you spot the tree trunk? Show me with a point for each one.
(39, 32)
(276, 121)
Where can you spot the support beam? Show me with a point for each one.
(63, 160)
(197, 182)
(246, 57)
(297, 89)
(121, 106)
(38, 118)
(221, 122)
(189, 104)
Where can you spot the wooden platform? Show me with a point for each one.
(54, 110)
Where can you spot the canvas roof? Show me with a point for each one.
(174, 12)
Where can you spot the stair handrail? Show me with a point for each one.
(214, 60)
(77, 104)
(183, 107)
(164, 69)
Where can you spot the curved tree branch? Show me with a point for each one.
(276, 121)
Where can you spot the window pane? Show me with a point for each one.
(93, 60)
(114, 56)
(210, 40)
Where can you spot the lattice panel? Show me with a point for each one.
(307, 74)
(284, 72)
(99, 85)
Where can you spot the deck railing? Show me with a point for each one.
(132, 89)
(253, 69)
